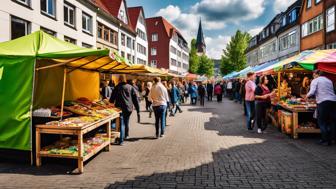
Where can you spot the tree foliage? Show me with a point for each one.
(206, 66)
(193, 58)
(234, 58)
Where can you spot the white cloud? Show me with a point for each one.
(215, 15)
(255, 31)
(216, 45)
(282, 5)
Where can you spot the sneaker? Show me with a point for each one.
(162, 136)
(259, 131)
(156, 136)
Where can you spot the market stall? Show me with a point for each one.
(46, 76)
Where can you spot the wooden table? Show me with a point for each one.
(79, 132)
(296, 128)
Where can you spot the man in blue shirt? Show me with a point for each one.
(323, 90)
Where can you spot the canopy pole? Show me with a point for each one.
(63, 92)
(279, 85)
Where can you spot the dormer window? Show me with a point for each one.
(122, 15)
(283, 23)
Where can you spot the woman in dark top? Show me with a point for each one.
(263, 102)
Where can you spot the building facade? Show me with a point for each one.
(137, 18)
(312, 25)
(330, 28)
(279, 40)
(72, 20)
(167, 47)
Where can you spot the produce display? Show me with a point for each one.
(68, 146)
(298, 103)
(74, 121)
(50, 112)
(85, 107)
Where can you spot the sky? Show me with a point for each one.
(220, 18)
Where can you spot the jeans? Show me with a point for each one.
(124, 127)
(193, 100)
(210, 96)
(261, 108)
(326, 119)
(160, 119)
(177, 108)
(250, 108)
(202, 100)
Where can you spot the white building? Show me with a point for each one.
(137, 19)
(71, 20)
(178, 56)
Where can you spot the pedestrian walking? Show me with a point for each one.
(218, 92)
(149, 107)
(124, 97)
(201, 93)
(137, 106)
(174, 99)
(250, 87)
(210, 89)
(192, 90)
(263, 102)
(322, 88)
(159, 97)
(229, 89)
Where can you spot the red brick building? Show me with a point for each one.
(330, 18)
(167, 47)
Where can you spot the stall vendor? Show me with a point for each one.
(322, 88)
(305, 87)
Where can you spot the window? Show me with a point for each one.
(106, 34)
(23, 2)
(173, 50)
(331, 45)
(70, 40)
(86, 23)
(153, 51)
(113, 37)
(100, 30)
(122, 16)
(122, 54)
(140, 61)
(50, 32)
(330, 19)
(173, 62)
(312, 26)
(123, 39)
(48, 7)
(129, 57)
(155, 37)
(317, 2)
(309, 3)
(292, 16)
(86, 45)
(19, 27)
(69, 14)
(141, 49)
(179, 54)
(129, 42)
(154, 63)
(141, 34)
(142, 20)
(185, 66)
(179, 64)
(288, 41)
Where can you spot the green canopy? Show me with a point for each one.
(17, 70)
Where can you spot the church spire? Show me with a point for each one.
(200, 43)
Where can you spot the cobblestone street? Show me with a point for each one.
(203, 148)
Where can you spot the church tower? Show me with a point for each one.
(200, 43)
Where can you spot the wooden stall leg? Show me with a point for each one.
(118, 122)
(38, 147)
(108, 131)
(295, 125)
(80, 152)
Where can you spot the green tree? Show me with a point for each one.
(234, 58)
(193, 57)
(206, 66)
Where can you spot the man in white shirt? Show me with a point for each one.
(159, 97)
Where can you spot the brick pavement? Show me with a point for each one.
(203, 148)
